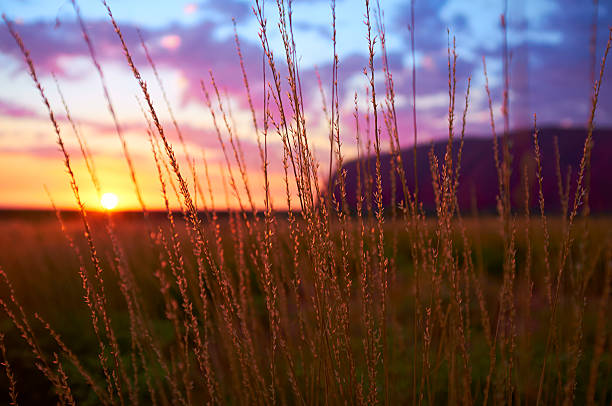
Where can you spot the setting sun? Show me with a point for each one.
(109, 201)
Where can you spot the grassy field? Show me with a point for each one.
(382, 305)
(43, 270)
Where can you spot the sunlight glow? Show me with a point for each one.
(109, 201)
(170, 42)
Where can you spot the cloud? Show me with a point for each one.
(14, 111)
(539, 70)
(190, 8)
(171, 42)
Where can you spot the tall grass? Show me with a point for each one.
(320, 305)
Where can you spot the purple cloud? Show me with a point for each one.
(539, 70)
(12, 110)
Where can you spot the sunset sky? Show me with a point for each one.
(550, 75)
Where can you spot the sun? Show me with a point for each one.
(109, 201)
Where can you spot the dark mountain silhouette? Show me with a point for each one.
(478, 176)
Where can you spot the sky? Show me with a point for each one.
(550, 75)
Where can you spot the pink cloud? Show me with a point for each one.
(190, 8)
(11, 110)
(170, 42)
